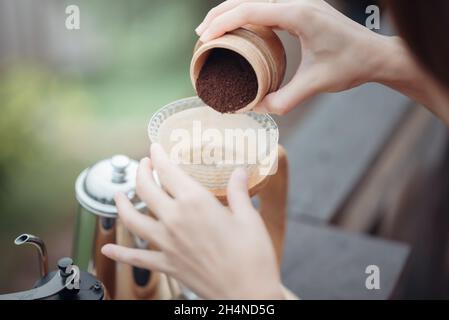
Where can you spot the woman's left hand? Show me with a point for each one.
(217, 252)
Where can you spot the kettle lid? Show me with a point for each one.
(96, 186)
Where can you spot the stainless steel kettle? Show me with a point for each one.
(97, 224)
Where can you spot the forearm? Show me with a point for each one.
(398, 69)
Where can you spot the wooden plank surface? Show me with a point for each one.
(419, 142)
(324, 263)
(335, 144)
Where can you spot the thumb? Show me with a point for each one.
(304, 85)
(238, 197)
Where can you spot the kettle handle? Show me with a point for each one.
(105, 267)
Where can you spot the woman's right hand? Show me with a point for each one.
(337, 53)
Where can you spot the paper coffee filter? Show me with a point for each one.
(182, 129)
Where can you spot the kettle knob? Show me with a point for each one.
(119, 164)
(63, 263)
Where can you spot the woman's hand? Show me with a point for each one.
(337, 53)
(217, 252)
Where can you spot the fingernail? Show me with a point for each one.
(199, 30)
(240, 174)
(205, 36)
(158, 151)
(144, 159)
(156, 147)
(106, 250)
(118, 195)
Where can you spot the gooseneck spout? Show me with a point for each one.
(41, 249)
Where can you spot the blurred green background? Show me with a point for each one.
(69, 98)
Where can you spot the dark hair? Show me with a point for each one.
(424, 25)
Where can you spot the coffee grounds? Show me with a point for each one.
(227, 82)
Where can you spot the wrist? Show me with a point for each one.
(398, 69)
(393, 66)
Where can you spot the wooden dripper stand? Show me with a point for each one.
(269, 185)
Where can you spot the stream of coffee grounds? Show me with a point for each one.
(227, 82)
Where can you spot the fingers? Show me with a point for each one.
(264, 14)
(303, 86)
(238, 197)
(172, 178)
(157, 200)
(152, 260)
(137, 223)
(216, 11)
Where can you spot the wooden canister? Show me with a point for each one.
(259, 45)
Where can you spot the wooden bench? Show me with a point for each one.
(355, 159)
(325, 263)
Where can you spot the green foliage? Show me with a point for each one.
(21, 116)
